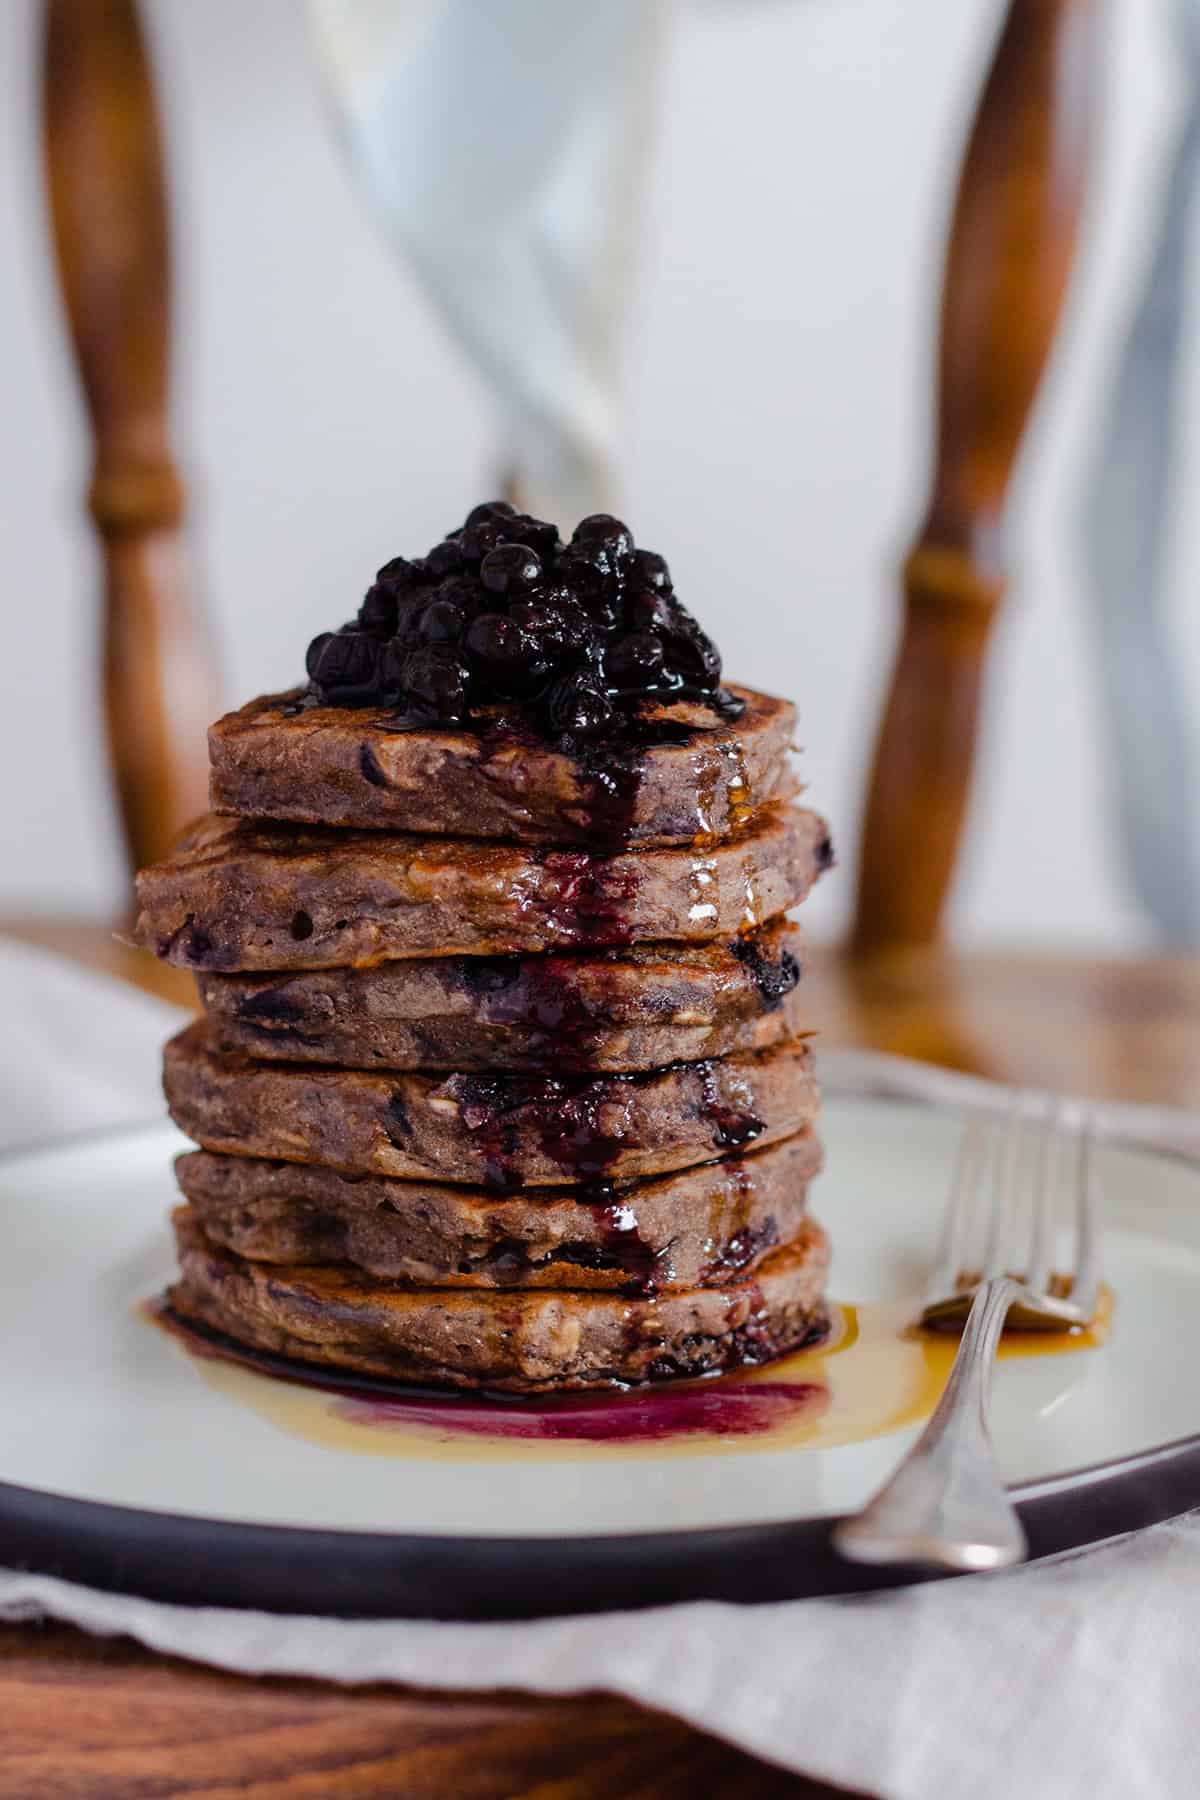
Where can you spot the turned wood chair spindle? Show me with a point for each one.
(108, 204)
(1013, 237)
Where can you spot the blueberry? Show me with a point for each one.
(479, 541)
(377, 614)
(346, 668)
(401, 573)
(442, 622)
(502, 610)
(435, 684)
(409, 613)
(446, 558)
(508, 660)
(423, 618)
(490, 512)
(603, 541)
(465, 593)
(634, 662)
(312, 660)
(541, 536)
(692, 655)
(556, 620)
(577, 706)
(390, 677)
(650, 611)
(596, 592)
(512, 569)
(650, 570)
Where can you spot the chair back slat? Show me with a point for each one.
(108, 201)
(1011, 248)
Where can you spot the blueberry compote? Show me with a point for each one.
(574, 637)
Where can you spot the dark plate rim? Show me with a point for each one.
(193, 1560)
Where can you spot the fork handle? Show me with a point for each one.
(946, 1505)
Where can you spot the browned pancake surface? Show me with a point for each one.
(282, 757)
(638, 1008)
(523, 1343)
(498, 1131)
(236, 895)
(708, 1224)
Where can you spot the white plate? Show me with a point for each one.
(126, 1461)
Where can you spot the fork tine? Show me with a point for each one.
(1045, 1198)
(1005, 1165)
(1085, 1287)
(958, 1215)
(1010, 1182)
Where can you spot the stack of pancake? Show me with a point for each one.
(501, 1081)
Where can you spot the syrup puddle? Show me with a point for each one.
(874, 1375)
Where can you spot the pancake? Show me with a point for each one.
(517, 1343)
(497, 1131)
(638, 1008)
(287, 757)
(236, 895)
(707, 1224)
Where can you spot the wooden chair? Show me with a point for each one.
(1011, 249)
(1010, 254)
(1123, 1027)
(895, 985)
(107, 189)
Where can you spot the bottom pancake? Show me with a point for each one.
(702, 1225)
(531, 1342)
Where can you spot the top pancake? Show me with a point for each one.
(687, 774)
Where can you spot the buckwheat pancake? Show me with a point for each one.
(686, 773)
(519, 1343)
(637, 1008)
(239, 895)
(708, 1224)
(500, 1131)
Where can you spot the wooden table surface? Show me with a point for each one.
(85, 1720)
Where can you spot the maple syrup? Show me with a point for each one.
(874, 1374)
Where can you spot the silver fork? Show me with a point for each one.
(946, 1505)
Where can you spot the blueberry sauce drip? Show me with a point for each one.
(543, 996)
(623, 1241)
(574, 1134)
(774, 977)
(743, 1248)
(574, 637)
(732, 1126)
(574, 1119)
(620, 1249)
(510, 1259)
(567, 1113)
(588, 899)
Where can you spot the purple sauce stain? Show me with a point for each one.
(723, 1409)
(726, 1406)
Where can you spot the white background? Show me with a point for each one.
(777, 410)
